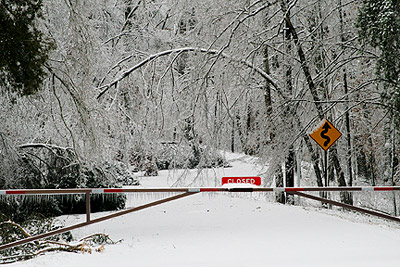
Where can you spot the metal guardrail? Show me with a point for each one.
(185, 191)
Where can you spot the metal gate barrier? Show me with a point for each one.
(186, 191)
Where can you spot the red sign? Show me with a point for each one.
(242, 180)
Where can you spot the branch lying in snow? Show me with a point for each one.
(246, 63)
(103, 237)
(54, 246)
(88, 244)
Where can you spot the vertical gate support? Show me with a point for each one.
(87, 207)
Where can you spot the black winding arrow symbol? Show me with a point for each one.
(326, 128)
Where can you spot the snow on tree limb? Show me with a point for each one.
(50, 147)
(41, 145)
(126, 73)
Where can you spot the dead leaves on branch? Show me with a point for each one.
(14, 231)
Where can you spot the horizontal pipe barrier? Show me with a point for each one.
(347, 206)
(193, 189)
(185, 191)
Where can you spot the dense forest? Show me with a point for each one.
(90, 89)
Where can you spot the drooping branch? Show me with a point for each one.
(41, 145)
(58, 151)
(246, 63)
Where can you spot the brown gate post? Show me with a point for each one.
(88, 206)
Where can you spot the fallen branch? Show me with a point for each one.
(63, 247)
(88, 244)
(16, 225)
(103, 237)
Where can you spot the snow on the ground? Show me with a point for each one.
(222, 229)
(242, 165)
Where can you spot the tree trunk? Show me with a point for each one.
(304, 66)
(289, 169)
(279, 196)
(289, 164)
(393, 164)
(233, 137)
(267, 88)
(346, 196)
(315, 160)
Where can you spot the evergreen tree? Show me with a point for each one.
(23, 50)
(379, 26)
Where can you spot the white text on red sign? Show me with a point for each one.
(255, 180)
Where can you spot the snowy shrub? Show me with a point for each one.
(174, 155)
(120, 173)
(51, 167)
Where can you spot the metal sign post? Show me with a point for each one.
(326, 168)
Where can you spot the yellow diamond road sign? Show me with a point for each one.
(325, 134)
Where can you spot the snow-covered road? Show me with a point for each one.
(220, 230)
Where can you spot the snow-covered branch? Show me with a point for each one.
(126, 73)
(42, 145)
